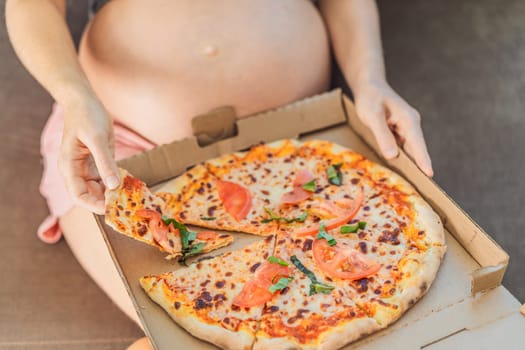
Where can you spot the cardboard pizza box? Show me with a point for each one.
(466, 307)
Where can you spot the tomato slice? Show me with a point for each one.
(236, 199)
(269, 273)
(303, 177)
(343, 216)
(148, 214)
(158, 227)
(252, 295)
(298, 193)
(207, 235)
(255, 291)
(343, 262)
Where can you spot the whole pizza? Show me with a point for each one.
(347, 245)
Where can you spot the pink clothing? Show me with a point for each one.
(52, 187)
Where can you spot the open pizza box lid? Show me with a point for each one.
(465, 307)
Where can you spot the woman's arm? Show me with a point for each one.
(354, 30)
(40, 37)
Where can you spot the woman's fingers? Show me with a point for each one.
(85, 167)
(416, 147)
(408, 123)
(93, 198)
(86, 159)
(390, 118)
(376, 121)
(83, 191)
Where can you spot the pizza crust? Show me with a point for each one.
(425, 216)
(332, 339)
(428, 218)
(422, 268)
(215, 334)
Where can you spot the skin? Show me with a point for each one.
(178, 78)
(354, 31)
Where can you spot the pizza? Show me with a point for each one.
(189, 294)
(133, 210)
(234, 192)
(348, 246)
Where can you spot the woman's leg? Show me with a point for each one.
(83, 237)
(85, 240)
(141, 344)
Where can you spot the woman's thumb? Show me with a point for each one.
(106, 165)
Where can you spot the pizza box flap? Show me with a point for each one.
(473, 263)
(463, 323)
(166, 161)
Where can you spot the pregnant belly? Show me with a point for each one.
(156, 64)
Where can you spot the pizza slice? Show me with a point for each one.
(219, 300)
(309, 311)
(235, 192)
(383, 279)
(199, 198)
(133, 210)
(335, 186)
(404, 277)
(320, 194)
(393, 210)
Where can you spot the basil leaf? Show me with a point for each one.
(323, 234)
(176, 224)
(353, 228)
(274, 217)
(320, 288)
(349, 228)
(271, 213)
(335, 176)
(309, 186)
(185, 236)
(303, 269)
(315, 286)
(191, 236)
(280, 285)
(276, 260)
(191, 251)
(211, 218)
(195, 249)
(301, 217)
(186, 239)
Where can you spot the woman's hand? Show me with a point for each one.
(50, 56)
(391, 119)
(87, 153)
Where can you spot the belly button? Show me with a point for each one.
(211, 50)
